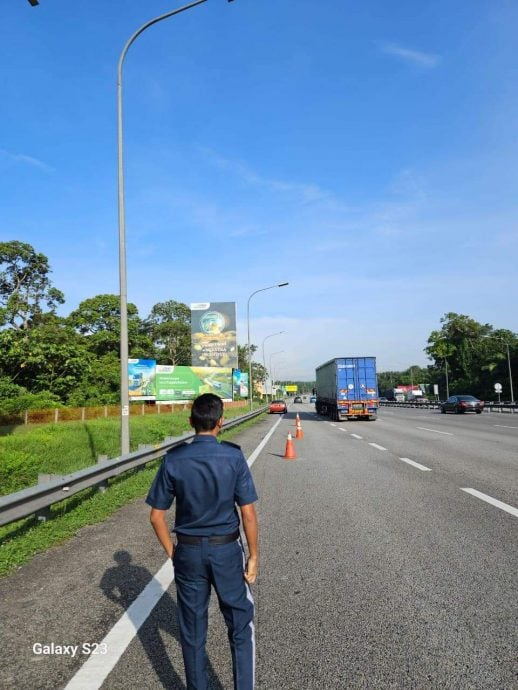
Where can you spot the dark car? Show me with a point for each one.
(278, 407)
(297, 399)
(462, 403)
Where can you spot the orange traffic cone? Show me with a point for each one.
(297, 420)
(299, 433)
(289, 453)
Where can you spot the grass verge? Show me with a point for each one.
(21, 540)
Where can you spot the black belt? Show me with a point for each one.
(218, 539)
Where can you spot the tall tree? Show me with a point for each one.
(474, 353)
(50, 357)
(25, 285)
(98, 319)
(169, 327)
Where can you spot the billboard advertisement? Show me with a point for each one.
(240, 384)
(213, 334)
(186, 383)
(141, 379)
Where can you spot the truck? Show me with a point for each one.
(347, 388)
(394, 394)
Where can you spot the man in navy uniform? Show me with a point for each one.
(208, 478)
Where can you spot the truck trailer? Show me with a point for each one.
(347, 388)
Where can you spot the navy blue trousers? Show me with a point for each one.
(197, 568)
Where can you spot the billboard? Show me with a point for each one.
(292, 388)
(213, 334)
(186, 383)
(141, 379)
(240, 384)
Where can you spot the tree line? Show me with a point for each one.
(469, 355)
(74, 360)
(48, 360)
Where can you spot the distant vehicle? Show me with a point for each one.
(297, 399)
(347, 388)
(462, 403)
(278, 407)
(416, 396)
(313, 399)
(394, 395)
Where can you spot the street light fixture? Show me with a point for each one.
(124, 390)
(250, 383)
(264, 360)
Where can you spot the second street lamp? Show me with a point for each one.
(250, 382)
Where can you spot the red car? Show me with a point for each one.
(278, 407)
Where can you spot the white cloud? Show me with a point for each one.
(416, 57)
(9, 157)
(307, 192)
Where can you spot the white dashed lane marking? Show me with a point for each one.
(416, 464)
(435, 431)
(356, 436)
(492, 501)
(375, 445)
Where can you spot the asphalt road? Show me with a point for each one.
(378, 569)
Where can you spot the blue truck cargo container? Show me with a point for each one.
(347, 388)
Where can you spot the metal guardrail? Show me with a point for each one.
(38, 498)
(489, 407)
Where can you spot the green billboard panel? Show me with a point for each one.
(186, 383)
(213, 334)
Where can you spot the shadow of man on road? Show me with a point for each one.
(122, 584)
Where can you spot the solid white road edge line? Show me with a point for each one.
(96, 668)
(416, 464)
(446, 433)
(492, 501)
(503, 426)
(375, 445)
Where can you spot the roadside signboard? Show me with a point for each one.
(141, 379)
(213, 334)
(175, 383)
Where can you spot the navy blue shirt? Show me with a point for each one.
(207, 479)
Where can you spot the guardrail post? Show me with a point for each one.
(101, 460)
(82, 414)
(44, 514)
(56, 415)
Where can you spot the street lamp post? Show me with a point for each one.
(124, 390)
(510, 374)
(264, 360)
(250, 382)
(271, 368)
(493, 337)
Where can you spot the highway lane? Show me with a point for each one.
(391, 577)
(374, 574)
(467, 448)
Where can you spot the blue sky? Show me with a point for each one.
(364, 152)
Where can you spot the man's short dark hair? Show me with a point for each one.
(206, 411)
